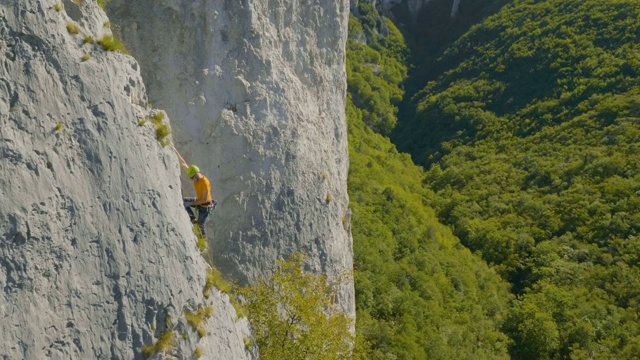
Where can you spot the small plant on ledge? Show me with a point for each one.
(73, 28)
(164, 344)
(110, 43)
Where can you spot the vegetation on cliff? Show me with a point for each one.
(293, 316)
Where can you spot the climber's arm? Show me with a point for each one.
(182, 162)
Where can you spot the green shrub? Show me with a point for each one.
(57, 7)
(293, 316)
(88, 39)
(85, 57)
(59, 126)
(197, 353)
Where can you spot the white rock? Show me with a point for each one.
(271, 135)
(95, 248)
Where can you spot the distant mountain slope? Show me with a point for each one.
(531, 135)
(419, 293)
(524, 66)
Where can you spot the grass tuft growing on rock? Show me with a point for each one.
(57, 7)
(162, 131)
(241, 311)
(201, 241)
(59, 126)
(248, 342)
(110, 43)
(88, 39)
(214, 279)
(103, 3)
(157, 118)
(86, 57)
(73, 28)
(165, 343)
(195, 319)
(197, 353)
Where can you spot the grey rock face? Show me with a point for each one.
(256, 93)
(97, 256)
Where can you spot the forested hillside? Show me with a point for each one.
(530, 133)
(420, 294)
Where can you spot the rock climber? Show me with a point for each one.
(203, 201)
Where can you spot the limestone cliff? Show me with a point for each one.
(256, 93)
(97, 257)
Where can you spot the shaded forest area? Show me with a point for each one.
(528, 124)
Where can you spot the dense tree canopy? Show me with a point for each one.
(531, 136)
(420, 294)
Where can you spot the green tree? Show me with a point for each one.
(537, 332)
(293, 316)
